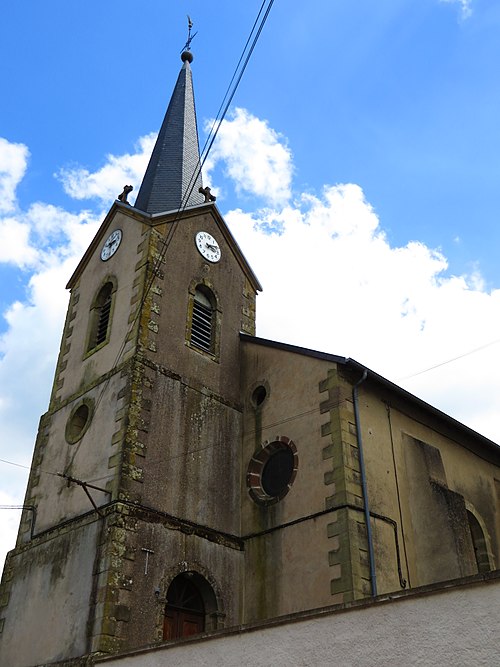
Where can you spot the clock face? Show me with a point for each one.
(208, 246)
(111, 245)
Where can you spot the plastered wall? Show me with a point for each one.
(449, 627)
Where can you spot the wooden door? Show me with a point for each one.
(184, 612)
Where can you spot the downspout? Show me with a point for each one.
(371, 555)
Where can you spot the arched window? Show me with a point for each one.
(100, 316)
(479, 544)
(185, 609)
(203, 319)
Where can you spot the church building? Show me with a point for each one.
(190, 476)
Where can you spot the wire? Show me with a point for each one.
(234, 75)
(216, 119)
(191, 452)
(20, 465)
(247, 59)
(449, 361)
(224, 106)
(228, 97)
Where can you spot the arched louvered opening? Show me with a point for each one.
(100, 316)
(203, 319)
(479, 544)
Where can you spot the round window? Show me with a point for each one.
(272, 470)
(259, 395)
(78, 422)
(277, 472)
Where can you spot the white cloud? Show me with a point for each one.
(29, 347)
(15, 247)
(9, 521)
(465, 6)
(41, 234)
(13, 163)
(107, 183)
(332, 281)
(45, 242)
(255, 156)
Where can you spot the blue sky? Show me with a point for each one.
(399, 96)
(362, 151)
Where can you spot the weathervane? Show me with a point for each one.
(187, 46)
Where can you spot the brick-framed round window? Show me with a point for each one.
(272, 470)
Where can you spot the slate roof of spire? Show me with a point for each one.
(176, 155)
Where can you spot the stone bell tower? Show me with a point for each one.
(132, 510)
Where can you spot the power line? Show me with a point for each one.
(20, 465)
(232, 87)
(191, 452)
(449, 361)
(228, 97)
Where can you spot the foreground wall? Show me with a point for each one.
(46, 605)
(446, 624)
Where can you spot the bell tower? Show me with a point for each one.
(130, 532)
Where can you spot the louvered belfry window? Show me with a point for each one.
(100, 315)
(103, 321)
(202, 323)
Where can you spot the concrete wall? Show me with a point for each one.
(192, 454)
(181, 446)
(175, 552)
(48, 589)
(286, 569)
(455, 627)
(425, 475)
(76, 368)
(181, 270)
(166, 441)
(423, 471)
(94, 378)
(187, 400)
(164, 434)
(88, 459)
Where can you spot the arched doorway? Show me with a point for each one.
(185, 609)
(479, 544)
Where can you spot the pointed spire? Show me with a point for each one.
(168, 182)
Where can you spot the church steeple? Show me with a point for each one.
(168, 182)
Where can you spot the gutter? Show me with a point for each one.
(373, 574)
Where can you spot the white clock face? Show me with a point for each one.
(208, 246)
(111, 245)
